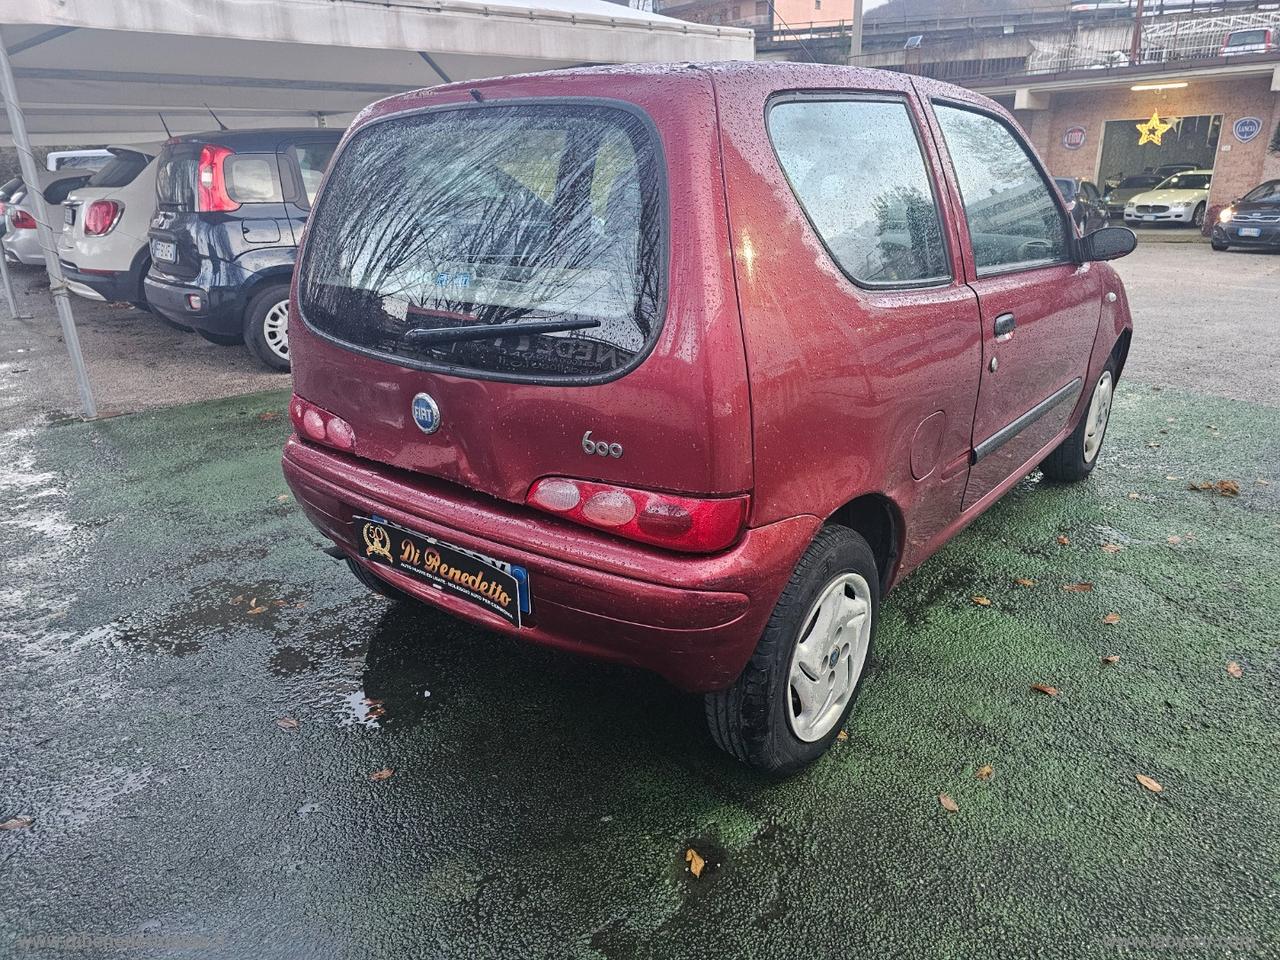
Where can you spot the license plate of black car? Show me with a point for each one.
(1249, 232)
(494, 585)
(164, 250)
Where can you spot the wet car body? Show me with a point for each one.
(773, 381)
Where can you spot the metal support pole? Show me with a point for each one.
(8, 287)
(57, 283)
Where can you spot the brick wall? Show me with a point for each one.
(1239, 166)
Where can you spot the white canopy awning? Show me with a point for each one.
(93, 71)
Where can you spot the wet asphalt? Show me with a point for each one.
(166, 616)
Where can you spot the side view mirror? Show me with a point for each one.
(1108, 243)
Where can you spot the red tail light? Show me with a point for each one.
(21, 220)
(101, 217)
(211, 185)
(319, 425)
(665, 520)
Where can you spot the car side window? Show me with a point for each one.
(858, 172)
(1014, 221)
(312, 159)
(1091, 192)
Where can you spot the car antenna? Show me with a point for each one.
(221, 125)
(167, 132)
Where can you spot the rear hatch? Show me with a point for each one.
(119, 172)
(215, 202)
(515, 263)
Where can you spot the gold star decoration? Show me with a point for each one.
(1152, 130)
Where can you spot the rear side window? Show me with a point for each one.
(856, 168)
(120, 170)
(1014, 222)
(313, 159)
(252, 178)
(524, 241)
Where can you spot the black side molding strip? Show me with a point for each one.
(1007, 433)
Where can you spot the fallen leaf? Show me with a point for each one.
(947, 803)
(1114, 658)
(254, 611)
(1078, 587)
(1111, 618)
(1169, 476)
(1175, 539)
(1228, 488)
(1063, 540)
(982, 601)
(283, 498)
(985, 772)
(269, 415)
(287, 723)
(695, 862)
(1134, 496)
(1148, 782)
(17, 823)
(1235, 669)
(383, 774)
(842, 736)
(1262, 483)
(1111, 548)
(1045, 689)
(372, 702)
(1202, 485)
(1024, 582)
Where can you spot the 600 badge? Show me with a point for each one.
(599, 447)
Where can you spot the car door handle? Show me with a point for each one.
(1004, 326)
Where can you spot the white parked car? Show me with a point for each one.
(1182, 198)
(21, 240)
(103, 247)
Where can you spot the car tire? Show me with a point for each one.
(762, 719)
(376, 583)
(266, 326)
(1077, 455)
(1219, 245)
(1197, 217)
(221, 339)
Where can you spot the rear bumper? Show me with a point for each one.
(221, 309)
(693, 619)
(112, 285)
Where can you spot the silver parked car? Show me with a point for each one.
(21, 243)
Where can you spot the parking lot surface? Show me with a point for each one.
(167, 614)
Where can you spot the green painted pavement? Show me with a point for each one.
(542, 806)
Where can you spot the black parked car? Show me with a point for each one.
(230, 206)
(1084, 201)
(1251, 221)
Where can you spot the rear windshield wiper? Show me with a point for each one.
(494, 331)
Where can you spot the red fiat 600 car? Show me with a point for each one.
(686, 366)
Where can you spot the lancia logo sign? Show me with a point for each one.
(1246, 128)
(425, 413)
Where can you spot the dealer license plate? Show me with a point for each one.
(1249, 232)
(493, 585)
(164, 250)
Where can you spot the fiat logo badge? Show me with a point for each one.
(425, 413)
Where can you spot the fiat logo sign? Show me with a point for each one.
(1074, 138)
(425, 413)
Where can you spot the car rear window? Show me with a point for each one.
(176, 177)
(120, 170)
(493, 217)
(1243, 37)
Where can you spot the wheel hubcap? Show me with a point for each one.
(829, 656)
(1099, 412)
(275, 329)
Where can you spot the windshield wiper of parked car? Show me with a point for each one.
(494, 331)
